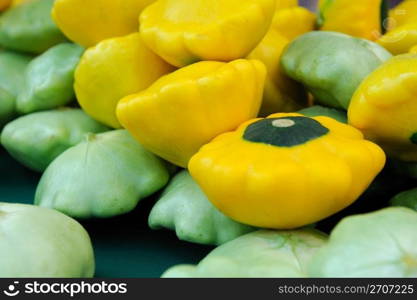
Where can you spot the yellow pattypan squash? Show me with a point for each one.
(282, 94)
(88, 22)
(402, 34)
(284, 4)
(186, 109)
(113, 69)
(362, 19)
(293, 22)
(413, 50)
(400, 39)
(384, 107)
(287, 170)
(403, 13)
(183, 32)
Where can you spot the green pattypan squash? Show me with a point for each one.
(331, 65)
(317, 110)
(183, 207)
(39, 242)
(49, 79)
(12, 70)
(29, 27)
(104, 176)
(7, 107)
(261, 253)
(37, 139)
(378, 244)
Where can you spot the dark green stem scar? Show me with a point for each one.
(285, 132)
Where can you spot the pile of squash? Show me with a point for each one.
(257, 119)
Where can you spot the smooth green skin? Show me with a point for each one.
(12, 70)
(331, 65)
(35, 140)
(378, 244)
(317, 111)
(406, 199)
(184, 207)
(29, 27)
(49, 79)
(104, 176)
(39, 242)
(7, 107)
(258, 254)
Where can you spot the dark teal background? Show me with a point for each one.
(124, 246)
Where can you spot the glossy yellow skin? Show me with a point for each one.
(4, 4)
(283, 4)
(112, 70)
(400, 39)
(403, 13)
(293, 22)
(183, 32)
(384, 107)
(187, 108)
(402, 34)
(413, 49)
(357, 18)
(281, 93)
(286, 187)
(88, 22)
